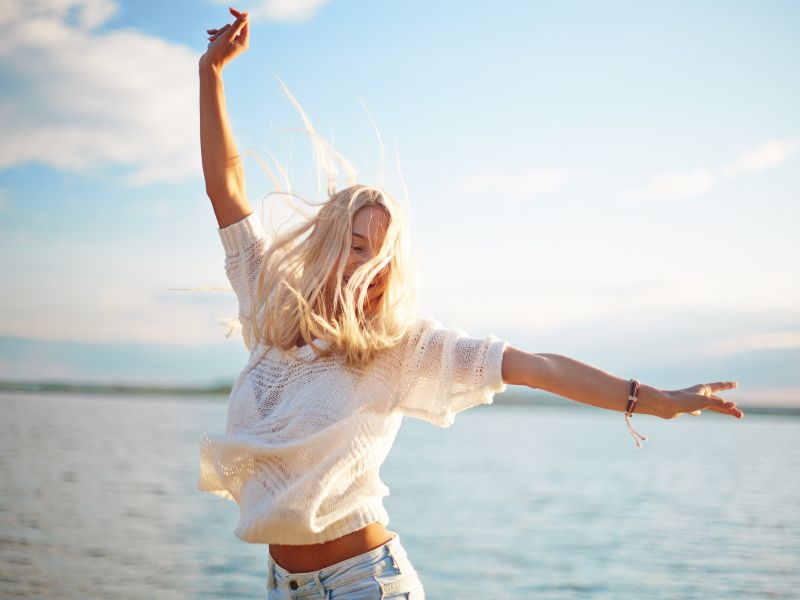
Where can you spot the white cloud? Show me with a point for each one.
(86, 14)
(85, 98)
(288, 10)
(519, 185)
(120, 313)
(676, 184)
(773, 396)
(764, 157)
(783, 340)
(280, 10)
(695, 182)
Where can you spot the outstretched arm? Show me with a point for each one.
(575, 380)
(222, 166)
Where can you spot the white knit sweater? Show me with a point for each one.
(305, 439)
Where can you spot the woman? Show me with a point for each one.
(337, 358)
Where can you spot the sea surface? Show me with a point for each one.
(98, 500)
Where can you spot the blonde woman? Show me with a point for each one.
(337, 358)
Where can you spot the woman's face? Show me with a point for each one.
(369, 230)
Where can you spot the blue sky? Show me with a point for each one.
(613, 181)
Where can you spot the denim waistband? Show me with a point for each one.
(344, 572)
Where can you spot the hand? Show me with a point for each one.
(693, 399)
(228, 42)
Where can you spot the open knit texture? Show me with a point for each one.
(305, 437)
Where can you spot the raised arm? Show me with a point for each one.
(575, 380)
(222, 166)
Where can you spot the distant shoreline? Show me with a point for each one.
(106, 388)
(512, 397)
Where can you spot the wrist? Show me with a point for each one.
(651, 401)
(208, 69)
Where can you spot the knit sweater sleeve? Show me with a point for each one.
(245, 244)
(444, 371)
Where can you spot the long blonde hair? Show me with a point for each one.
(292, 298)
(300, 266)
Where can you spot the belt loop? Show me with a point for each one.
(396, 563)
(323, 592)
(270, 575)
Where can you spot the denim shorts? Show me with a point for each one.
(384, 572)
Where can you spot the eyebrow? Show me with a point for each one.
(359, 235)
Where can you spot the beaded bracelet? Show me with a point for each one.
(633, 396)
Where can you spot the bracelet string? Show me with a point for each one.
(633, 396)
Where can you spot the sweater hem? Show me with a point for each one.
(367, 513)
(494, 359)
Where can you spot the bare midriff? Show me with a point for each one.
(313, 557)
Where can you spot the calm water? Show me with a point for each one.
(98, 500)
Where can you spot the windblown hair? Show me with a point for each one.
(305, 266)
(300, 291)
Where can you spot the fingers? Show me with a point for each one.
(239, 27)
(721, 405)
(697, 398)
(721, 385)
(732, 411)
(718, 404)
(215, 33)
(699, 401)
